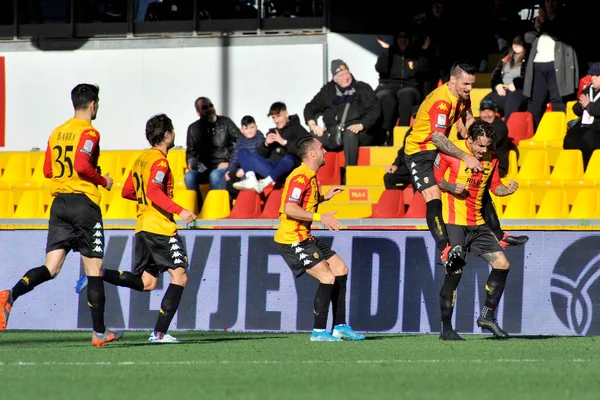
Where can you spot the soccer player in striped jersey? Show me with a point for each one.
(462, 195)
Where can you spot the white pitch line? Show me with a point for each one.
(271, 362)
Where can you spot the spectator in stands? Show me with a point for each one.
(436, 30)
(507, 80)
(250, 141)
(401, 69)
(488, 111)
(584, 135)
(397, 175)
(349, 108)
(210, 142)
(552, 69)
(274, 160)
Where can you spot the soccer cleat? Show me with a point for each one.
(450, 335)
(100, 339)
(516, 241)
(6, 303)
(492, 326)
(260, 186)
(323, 336)
(159, 338)
(81, 283)
(246, 184)
(453, 258)
(345, 332)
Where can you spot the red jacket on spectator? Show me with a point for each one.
(583, 82)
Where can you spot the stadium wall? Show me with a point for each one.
(142, 77)
(238, 282)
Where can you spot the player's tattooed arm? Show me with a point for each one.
(447, 186)
(502, 190)
(444, 145)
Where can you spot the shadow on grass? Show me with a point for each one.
(184, 342)
(534, 337)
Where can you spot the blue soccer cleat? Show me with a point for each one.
(81, 283)
(345, 332)
(323, 336)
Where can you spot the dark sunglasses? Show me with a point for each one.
(207, 106)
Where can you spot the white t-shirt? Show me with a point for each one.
(545, 49)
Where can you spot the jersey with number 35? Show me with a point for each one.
(150, 183)
(72, 158)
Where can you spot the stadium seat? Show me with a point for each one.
(417, 207)
(272, 205)
(18, 169)
(329, 174)
(520, 205)
(364, 175)
(368, 194)
(187, 199)
(513, 167)
(550, 132)
(383, 156)
(37, 178)
(408, 193)
(586, 204)
(177, 164)
(535, 167)
(7, 208)
(121, 208)
(591, 176)
(216, 205)
(390, 205)
(364, 156)
(110, 162)
(346, 210)
(570, 115)
(520, 127)
(554, 205)
(246, 206)
(569, 166)
(399, 134)
(31, 205)
(477, 94)
(4, 157)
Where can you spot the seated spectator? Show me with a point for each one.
(488, 111)
(401, 70)
(210, 142)
(397, 175)
(274, 160)
(507, 80)
(584, 135)
(251, 139)
(349, 109)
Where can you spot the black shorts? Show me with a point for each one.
(75, 224)
(477, 240)
(304, 255)
(420, 166)
(156, 253)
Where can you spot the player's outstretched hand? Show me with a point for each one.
(329, 221)
(109, 181)
(187, 216)
(332, 192)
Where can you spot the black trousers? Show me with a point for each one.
(397, 103)
(512, 102)
(544, 87)
(585, 138)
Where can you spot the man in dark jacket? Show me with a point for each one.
(210, 142)
(488, 111)
(397, 175)
(276, 158)
(344, 93)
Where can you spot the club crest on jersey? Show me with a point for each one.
(159, 178)
(88, 146)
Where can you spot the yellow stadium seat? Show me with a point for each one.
(554, 205)
(453, 135)
(591, 176)
(176, 158)
(520, 205)
(552, 154)
(513, 167)
(18, 170)
(383, 156)
(586, 204)
(48, 206)
(32, 204)
(535, 167)
(106, 197)
(570, 114)
(399, 134)
(569, 167)
(7, 208)
(550, 132)
(4, 157)
(121, 208)
(364, 175)
(37, 178)
(186, 199)
(110, 162)
(216, 205)
(347, 210)
(477, 94)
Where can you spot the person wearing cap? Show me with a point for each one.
(401, 69)
(507, 80)
(584, 135)
(488, 111)
(349, 109)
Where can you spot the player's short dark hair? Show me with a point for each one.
(460, 67)
(276, 108)
(302, 146)
(83, 94)
(247, 120)
(481, 128)
(156, 127)
(197, 103)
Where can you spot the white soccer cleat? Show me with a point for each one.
(260, 187)
(246, 184)
(166, 338)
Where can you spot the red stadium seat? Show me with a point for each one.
(272, 204)
(390, 205)
(417, 207)
(520, 127)
(246, 206)
(329, 174)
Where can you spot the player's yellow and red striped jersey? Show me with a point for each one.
(300, 188)
(72, 158)
(150, 183)
(437, 113)
(466, 209)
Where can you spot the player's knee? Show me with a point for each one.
(178, 277)
(327, 278)
(150, 282)
(431, 193)
(501, 264)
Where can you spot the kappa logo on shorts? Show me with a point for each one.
(98, 225)
(98, 242)
(176, 254)
(173, 240)
(177, 261)
(302, 256)
(97, 234)
(299, 250)
(175, 247)
(307, 262)
(98, 249)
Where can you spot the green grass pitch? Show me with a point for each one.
(230, 365)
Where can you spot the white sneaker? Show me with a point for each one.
(165, 339)
(246, 184)
(260, 186)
